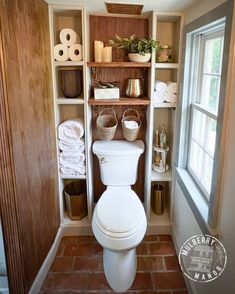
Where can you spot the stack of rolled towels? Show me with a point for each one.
(69, 49)
(131, 124)
(165, 92)
(72, 147)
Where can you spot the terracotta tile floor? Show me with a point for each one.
(77, 268)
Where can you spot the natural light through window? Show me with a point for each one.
(207, 60)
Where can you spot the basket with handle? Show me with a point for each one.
(106, 124)
(130, 134)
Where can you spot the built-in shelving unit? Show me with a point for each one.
(164, 27)
(167, 29)
(70, 16)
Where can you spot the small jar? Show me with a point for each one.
(164, 54)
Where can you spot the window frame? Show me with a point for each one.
(197, 54)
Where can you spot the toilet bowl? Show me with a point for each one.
(119, 222)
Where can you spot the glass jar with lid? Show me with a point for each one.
(164, 53)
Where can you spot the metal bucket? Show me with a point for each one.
(75, 200)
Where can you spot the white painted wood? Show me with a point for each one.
(65, 108)
(69, 101)
(164, 105)
(41, 275)
(164, 177)
(79, 177)
(166, 71)
(67, 63)
(166, 65)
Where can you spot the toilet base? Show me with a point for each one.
(120, 268)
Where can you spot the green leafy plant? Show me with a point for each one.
(134, 44)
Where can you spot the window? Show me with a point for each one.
(207, 53)
(201, 121)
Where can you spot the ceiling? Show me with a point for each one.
(156, 5)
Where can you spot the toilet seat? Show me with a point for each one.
(119, 212)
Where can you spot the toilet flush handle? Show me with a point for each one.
(102, 160)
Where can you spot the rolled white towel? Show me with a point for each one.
(79, 146)
(71, 130)
(170, 97)
(67, 157)
(172, 87)
(158, 97)
(73, 170)
(131, 124)
(159, 91)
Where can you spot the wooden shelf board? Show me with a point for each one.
(68, 63)
(119, 64)
(69, 101)
(161, 177)
(166, 65)
(164, 105)
(79, 177)
(120, 101)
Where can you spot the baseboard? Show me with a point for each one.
(37, 284)
(189, 284)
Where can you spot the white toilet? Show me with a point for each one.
(119, 222)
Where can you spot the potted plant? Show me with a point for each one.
(139, 49)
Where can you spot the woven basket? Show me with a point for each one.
(131, 115)
(106, 124)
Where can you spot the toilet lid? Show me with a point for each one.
(119, 212)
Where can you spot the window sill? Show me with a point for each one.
(195, 200)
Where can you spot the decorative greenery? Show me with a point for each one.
(134, 44)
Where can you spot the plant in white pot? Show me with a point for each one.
(139, 49)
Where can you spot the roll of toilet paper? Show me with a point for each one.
(75, 52)
(61, 52)
(69, 37)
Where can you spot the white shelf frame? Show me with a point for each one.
(66, 223)
(164, 221)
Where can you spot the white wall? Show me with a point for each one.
(184, 223)
(200, 8)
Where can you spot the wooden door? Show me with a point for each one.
(29, 205)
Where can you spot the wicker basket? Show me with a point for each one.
(131, 115)
(106, 124)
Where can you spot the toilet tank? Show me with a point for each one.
(118, 161)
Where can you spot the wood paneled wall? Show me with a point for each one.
(104, 28)
(29, 193)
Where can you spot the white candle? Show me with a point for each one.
(107, 54)
(98, 46)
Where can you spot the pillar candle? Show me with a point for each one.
(107, 54)
(98, 46)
